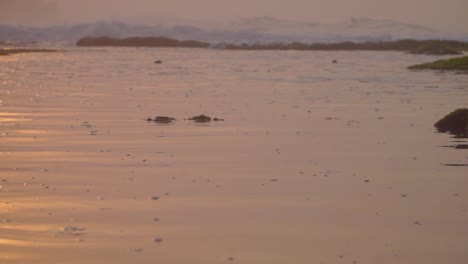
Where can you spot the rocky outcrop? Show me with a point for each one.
(455, 123)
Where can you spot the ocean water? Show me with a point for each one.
(316, 162)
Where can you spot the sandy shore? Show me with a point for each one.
(314, 163)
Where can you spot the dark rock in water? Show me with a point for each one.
(158, 240)
(456, 123)
(200, 118)
(218, 119)
(158, 61)
(149, 119)
(334, 61)
(163, 119)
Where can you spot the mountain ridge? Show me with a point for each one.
(246, 30)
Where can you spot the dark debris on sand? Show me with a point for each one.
(204, 118)
(161, 119)
(200, 118)
(167, 119)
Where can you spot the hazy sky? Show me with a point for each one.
(440, 14)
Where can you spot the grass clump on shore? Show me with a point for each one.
(455, 64)
(456, 123)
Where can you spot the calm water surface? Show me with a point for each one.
(315, 162)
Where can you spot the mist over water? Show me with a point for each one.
(445, 16)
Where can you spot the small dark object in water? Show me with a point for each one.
(456, 123)
(201, 118)
(218, 119)
(155, 198)
(163, 119)
(149, 119)
(334, 61)
(158, 61)
(73, 229)
(158, 240)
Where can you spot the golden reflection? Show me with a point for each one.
(11, 256)
(12, 117)
(14, 242)
(35, 243)
(27, 228)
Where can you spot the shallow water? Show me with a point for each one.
(315, 162)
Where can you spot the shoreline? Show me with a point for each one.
(424, 47)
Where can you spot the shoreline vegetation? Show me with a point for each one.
(453, 64)
(140, 42)
(6, 52)
(427, 47)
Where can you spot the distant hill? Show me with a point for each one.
(139, 42)
(247, 30)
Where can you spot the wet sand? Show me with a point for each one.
(315, 162)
